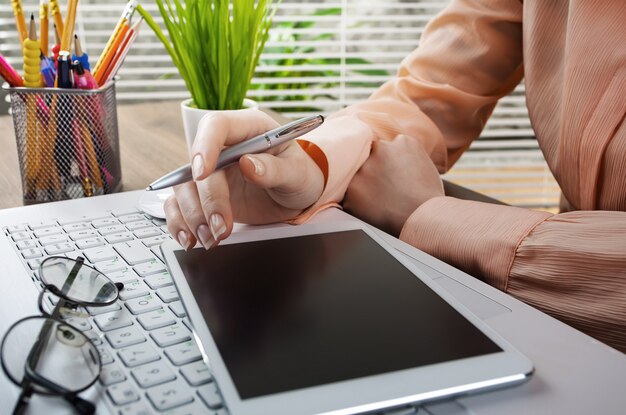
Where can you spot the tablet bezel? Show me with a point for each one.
(364, 394)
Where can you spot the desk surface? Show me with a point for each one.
(151, 142)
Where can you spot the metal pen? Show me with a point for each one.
(232, 154)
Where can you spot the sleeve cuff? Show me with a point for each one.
(478, 238)
(339, 147)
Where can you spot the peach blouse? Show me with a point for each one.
(572, 55)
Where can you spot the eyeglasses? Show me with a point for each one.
(46, 355)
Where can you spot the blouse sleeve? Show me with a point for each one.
(571, 266)
(469, 56)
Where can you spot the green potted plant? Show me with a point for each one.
(216, 46)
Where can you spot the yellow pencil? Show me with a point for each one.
(19, 20)
(120, 30)
(68, 26)
(55, 11)
(43, 21)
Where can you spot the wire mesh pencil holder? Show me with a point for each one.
(67, 142)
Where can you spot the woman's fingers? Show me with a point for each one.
(176, 224)
(291, 177)
(192, 214)
(224, 128)
(214, 196)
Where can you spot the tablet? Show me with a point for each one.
(329, 319)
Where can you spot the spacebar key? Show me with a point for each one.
(134, 252)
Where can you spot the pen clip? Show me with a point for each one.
(300, 127)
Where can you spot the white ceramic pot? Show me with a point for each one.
(192, 116)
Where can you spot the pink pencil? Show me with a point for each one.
(9, 73)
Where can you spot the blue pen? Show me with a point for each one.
(80, 56)
(48, 71)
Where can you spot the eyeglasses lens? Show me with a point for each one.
(77, 281)
(54, 352)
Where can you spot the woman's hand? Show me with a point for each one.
(395, 180)
(262, 188)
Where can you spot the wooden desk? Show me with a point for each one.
(151, 144)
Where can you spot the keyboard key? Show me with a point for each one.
(76, 254)
(81, 324)
(94, 311)
(52, 239)
(171, 335)
(138, 355)
(134, 252)
(131, 218)
(111, 375)
(48, 231)
(123, 393)
(61, 248)
(156, 250)
(158, 222)
(90, 243)
(143, 304)
(16, 228)
(167, 294)
(133, 226)
(156, 240)
(109, 230)
(196, 373)
(160, 280)
(107, 267)
(183, 353)
(80, 218)
(156, 319)
(125, 275)
(34, 263)
(113, 320)
(85, 233)
(101, 223)
(153, 374)
(26, 244)
(170, 395)
(125, 337)
(31, 253)
(95, 337)
(75, 227)
(20, 236)
(210, 395)
(105, 253)
(146, 233)
(42, 224)
(124, 211)
(133, 289)
(105, 355)
(154, 267)
(137, 408)
(119, 237)
(177, 308)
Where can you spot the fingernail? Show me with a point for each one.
(197, 166)
(183, 239)
(204, 234)
(218, 227)
(259, 168)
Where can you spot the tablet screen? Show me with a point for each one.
(310, 310)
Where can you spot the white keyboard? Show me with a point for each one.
(150, 362)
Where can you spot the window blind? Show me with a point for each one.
(322, 56)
